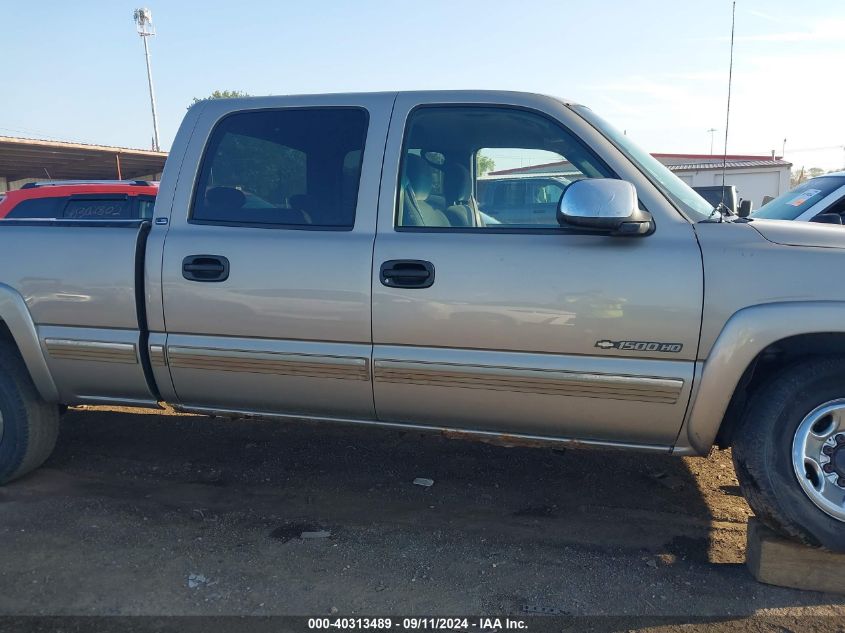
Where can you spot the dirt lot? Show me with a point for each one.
(150, 513)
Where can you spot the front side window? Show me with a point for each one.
(487, 167)
(293, 168)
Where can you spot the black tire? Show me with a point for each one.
(29, 425)
(762, 451)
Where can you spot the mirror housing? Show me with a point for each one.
(604, 204)
(745, 208)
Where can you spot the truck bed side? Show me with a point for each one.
(82, 285)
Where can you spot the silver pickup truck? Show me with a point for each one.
(325, 257)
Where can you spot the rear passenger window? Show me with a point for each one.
(289, 168)
(98, 209)
(38, 208)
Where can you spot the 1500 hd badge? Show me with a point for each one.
(641, 346)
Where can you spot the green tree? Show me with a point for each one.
(484, 164)
(222, 94)
(803, 175)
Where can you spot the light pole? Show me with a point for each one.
(144, 23)
(712, 131)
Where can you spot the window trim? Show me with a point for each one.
(559, 230)
(274, 225)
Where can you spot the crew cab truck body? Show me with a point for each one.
(324, 257)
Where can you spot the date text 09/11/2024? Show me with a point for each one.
(486, 624)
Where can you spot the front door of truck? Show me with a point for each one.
(489, 324)
(266, 268)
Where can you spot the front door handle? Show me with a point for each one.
(407, 273)
(205, 268)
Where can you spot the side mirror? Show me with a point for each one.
(604, 204)
(745, 208)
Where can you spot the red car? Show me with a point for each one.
(81, 200)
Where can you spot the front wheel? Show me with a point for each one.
(789, 453)
(28, 425)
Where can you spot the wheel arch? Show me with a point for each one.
(755, 343)
(16, 324)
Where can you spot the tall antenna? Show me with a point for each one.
(144, 22)
(728, 110)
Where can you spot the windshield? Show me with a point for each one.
(805, 196)
(681, 194)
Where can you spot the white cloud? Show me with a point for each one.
(826, 31)
(786, 94)
(768, 16)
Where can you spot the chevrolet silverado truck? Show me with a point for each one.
(324, 257)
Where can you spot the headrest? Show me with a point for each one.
(224, 198)
(457, 185)
(418, 175)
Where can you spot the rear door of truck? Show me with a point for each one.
(267, 262)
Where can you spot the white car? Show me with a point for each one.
(820, 199)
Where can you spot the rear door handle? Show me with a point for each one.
(205, 268)
(407, 273)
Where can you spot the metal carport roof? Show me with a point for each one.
(33, 158)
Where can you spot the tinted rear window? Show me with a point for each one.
(294, 168)
(38, 208)
(98, 209)
(804, 197)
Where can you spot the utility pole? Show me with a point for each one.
(712, 131)
(144, 22)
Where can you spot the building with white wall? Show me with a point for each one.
(754, 177)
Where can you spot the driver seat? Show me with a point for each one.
(416, 189)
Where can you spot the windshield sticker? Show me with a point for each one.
(805, 195)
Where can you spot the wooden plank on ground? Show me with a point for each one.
(775, 560)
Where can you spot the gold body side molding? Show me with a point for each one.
(555, 382)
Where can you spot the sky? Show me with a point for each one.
(655, 68)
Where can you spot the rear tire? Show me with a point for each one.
(768, 457)
(28, 425)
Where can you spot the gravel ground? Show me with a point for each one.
(151, 513)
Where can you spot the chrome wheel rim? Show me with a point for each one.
(818, 457)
